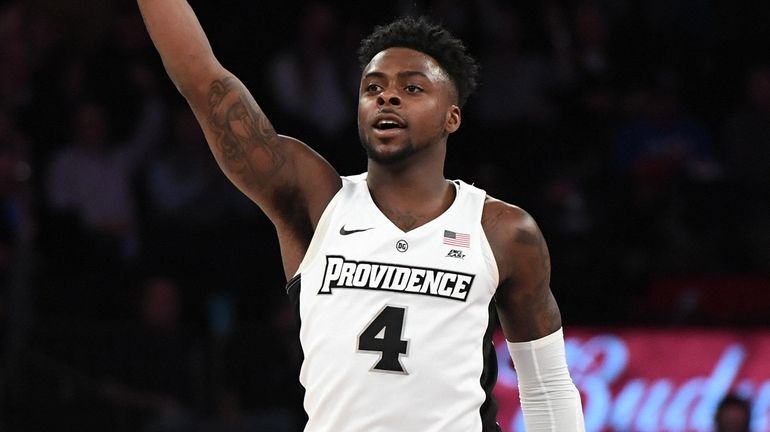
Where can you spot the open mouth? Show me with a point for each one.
(387, 124)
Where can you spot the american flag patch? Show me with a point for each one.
(452, 238)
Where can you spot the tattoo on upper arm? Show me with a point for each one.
(246, 143)
(526, 305)
(548, 317)
(527, 238)
(543, 260)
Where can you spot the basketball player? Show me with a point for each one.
(395, 272)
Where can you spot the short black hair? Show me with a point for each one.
(733, 400)
(422, 35)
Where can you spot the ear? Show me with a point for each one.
(453, 119)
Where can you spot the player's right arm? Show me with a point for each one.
(290, 182)
(531, 321)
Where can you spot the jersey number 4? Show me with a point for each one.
(384, 335)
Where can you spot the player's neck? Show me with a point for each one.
(410, 197)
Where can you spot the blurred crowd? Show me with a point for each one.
(140, 291)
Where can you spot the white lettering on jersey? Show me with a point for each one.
(342, 273)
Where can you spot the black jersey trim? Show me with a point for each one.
(488, 410)
(292, 282)
(293, 288)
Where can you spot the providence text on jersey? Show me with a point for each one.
(342, 273)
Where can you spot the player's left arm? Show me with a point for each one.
(531, 320)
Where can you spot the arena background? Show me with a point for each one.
(140, 291)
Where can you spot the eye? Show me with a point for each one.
(411, 88)
(373, 87)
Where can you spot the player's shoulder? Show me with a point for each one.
(506, 221)
(512, 234)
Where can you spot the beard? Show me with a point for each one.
(386, 154)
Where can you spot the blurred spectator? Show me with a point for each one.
(515, 107)
(306, 80)
(130, 36)
(15, 77)
(661, 141)
(457, 17)
(517, 81)
(156, 377)
(14, 193)
(183, 185)
(91, 200)
(189, 209)
(589, 66)
(748, 131)
(665, 162)
(733, 414)
(17, 230)
(252, 390)
(92, 179)
(747, 140)
(592, 34)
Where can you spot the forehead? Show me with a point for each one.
(391, 61)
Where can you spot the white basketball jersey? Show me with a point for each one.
(395, 326)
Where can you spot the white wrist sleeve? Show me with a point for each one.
(549, 399)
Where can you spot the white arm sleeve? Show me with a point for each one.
(549, 399)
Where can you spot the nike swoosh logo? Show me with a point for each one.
(343, 231)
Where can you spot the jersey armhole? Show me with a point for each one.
(320, 232)
(489, 260)
(488, 256)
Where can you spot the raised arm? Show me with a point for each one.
(289, 181)
(531, 320)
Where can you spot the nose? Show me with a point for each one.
(388, 97)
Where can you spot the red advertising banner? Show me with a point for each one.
(646, 380)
